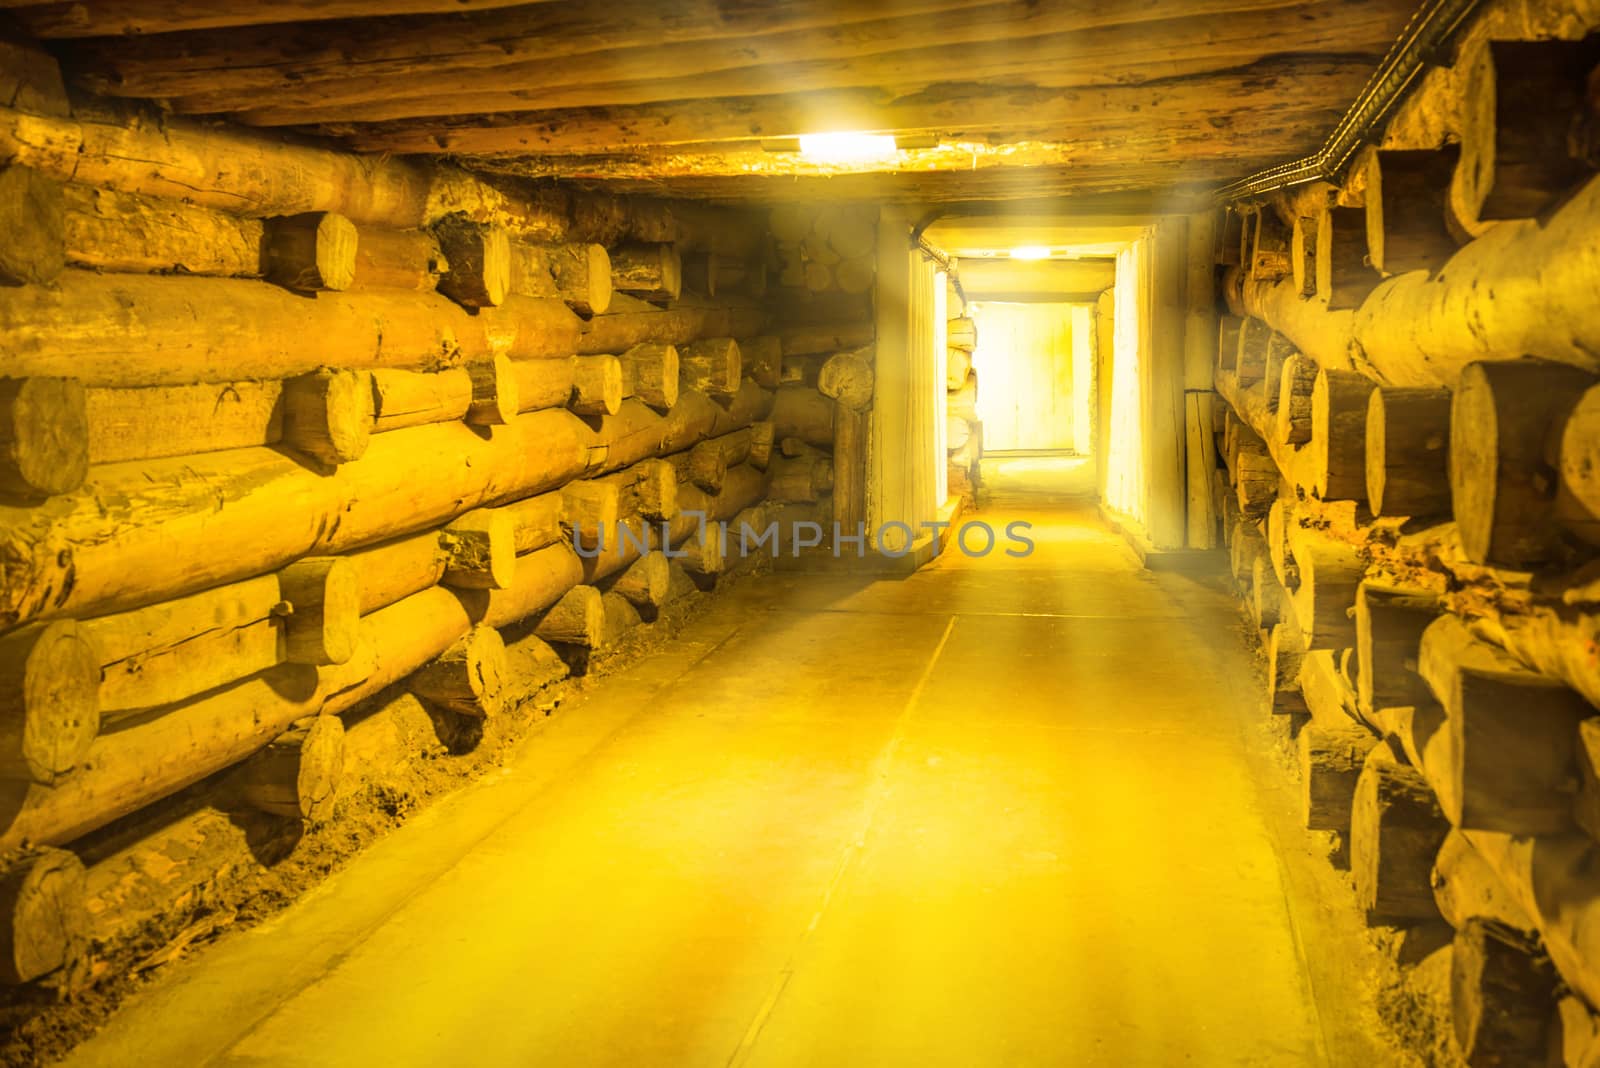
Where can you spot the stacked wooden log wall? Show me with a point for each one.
(283, 427)
(964, 432)
(824, 267)
(1410, 366)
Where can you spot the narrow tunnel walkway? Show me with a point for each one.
(1007, 811)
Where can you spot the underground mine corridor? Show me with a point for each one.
(711, 533)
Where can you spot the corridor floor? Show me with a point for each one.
(1002, 812)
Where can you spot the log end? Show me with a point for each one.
(54, 671)
(578, 618)
(496, 396)
(324, 624)
(597, 386)
(321, 768)
(44, 900)
(312, 251)
(328, 415)
(480, 550)
(44, 436)
(33, 237)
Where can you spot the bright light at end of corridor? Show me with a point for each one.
(1030, 252)
(847, 147)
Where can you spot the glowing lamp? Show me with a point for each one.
(1030, 252)
(847, 147)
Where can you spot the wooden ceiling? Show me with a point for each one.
(998, 100)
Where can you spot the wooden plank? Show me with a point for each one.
(1201, 460)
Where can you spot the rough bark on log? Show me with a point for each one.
(328, 415)
(469, 676)
(194, 522)
(1297, 382)
(385, 259)
(799, 412)
(650, 272)
(535, 521)
(310, 252)
(1331, 759)
(1269, 246)
(111, 231)
(543, 576)
(480, 549)
(49, 701)
(170, 870)
(1316, 331)
(1502, 988)
(174, 650)
(44, 437)
(146, 424)
(130, 330)
(485, 393)
(1505, 427)
(1420, 331)
(1243, 549)
(630, 321)
(579, 274)
(1513, 735)
(297, 774)
(1256, 477)
(250, 173)
(1408, 434)
(33, 211)
(42, 913)
(1396, 830)
(651, 372)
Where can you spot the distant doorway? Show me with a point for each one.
(1036, 378)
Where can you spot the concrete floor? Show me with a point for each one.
(1003, 812)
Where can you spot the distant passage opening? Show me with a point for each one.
(1036, 399)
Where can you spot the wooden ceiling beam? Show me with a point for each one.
(283, 58)
(106, 18)
(1257, 98)
(1114, 55)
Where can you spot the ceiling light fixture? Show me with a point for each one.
(847, 147)
(1030, 252)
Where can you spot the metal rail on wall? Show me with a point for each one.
(1426, 37)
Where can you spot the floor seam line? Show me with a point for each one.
(851, 850)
